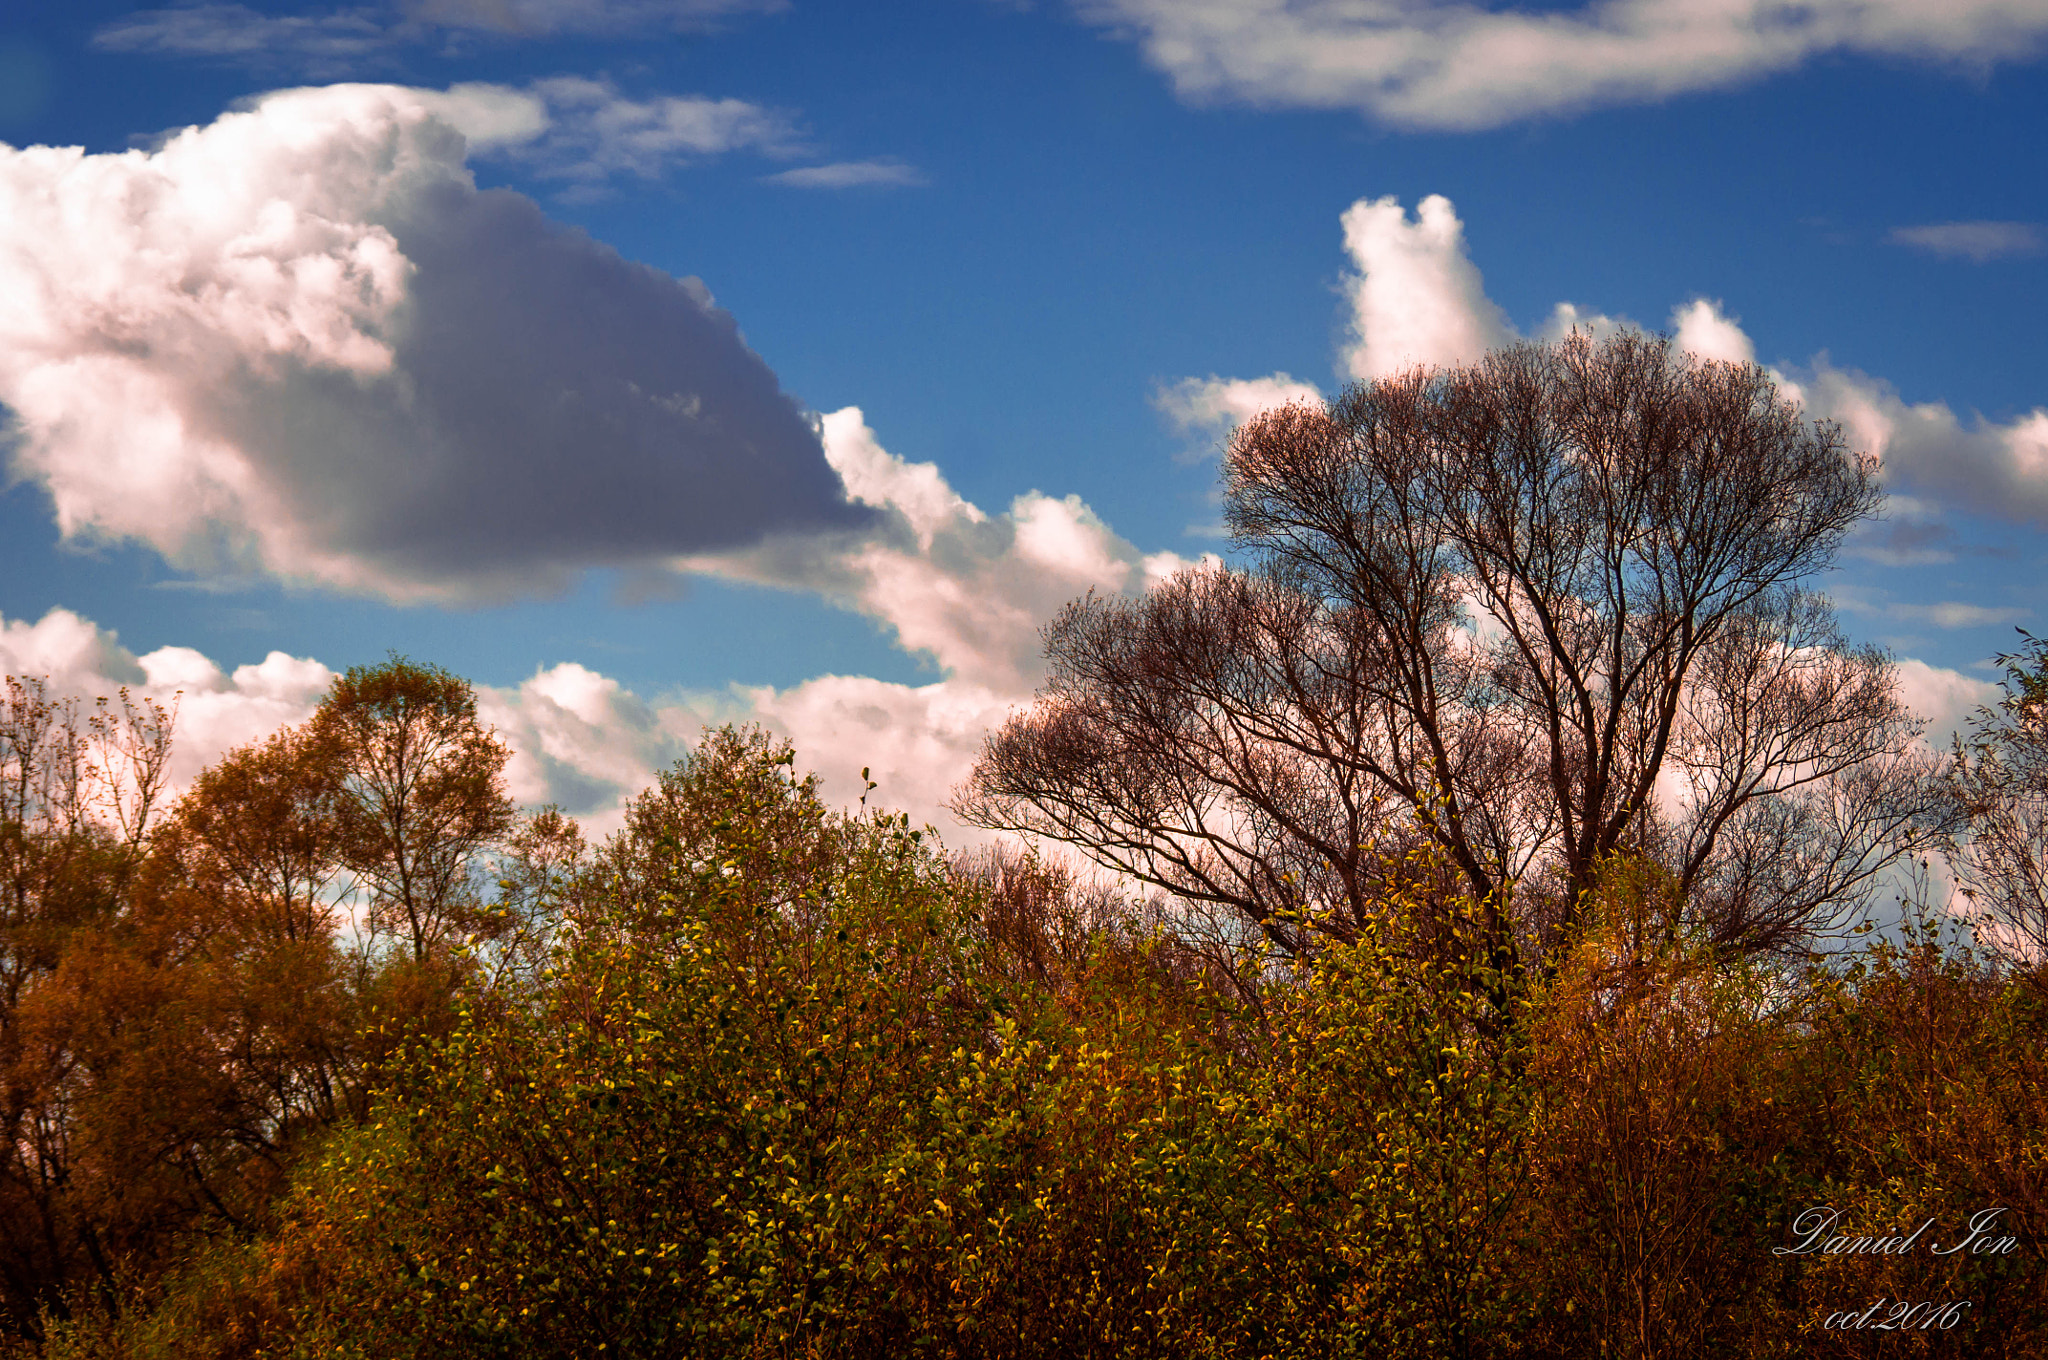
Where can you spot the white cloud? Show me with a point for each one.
(1978, 242)
(1567, 317)
(1945, 698)
(1213, 407)
(1957, 614)
(584, 741)
(587, 130)
(216, 710)
(850, 175)
(917, 742)
(1701, 328)
(594, 132)
(1994, 469)
(1416, 298)
(968, 590)
(1459, 65)
(343, 38)
(578, 738)
(291, 341)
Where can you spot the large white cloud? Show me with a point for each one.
(1446, 64)
(300, 340)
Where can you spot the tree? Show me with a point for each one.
(1529, 613)
(261, 826)
(77, 795)
(1997, 840)
(421, 793)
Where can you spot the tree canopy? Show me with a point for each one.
(1531, 612)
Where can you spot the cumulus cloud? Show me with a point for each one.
(968, 590)
(1977, 242)
(578, 738)
(850, 175)
(1946, 699)
(1449, 64)
(584, 741)
(300, 340)
(1416, 298)
(918, 742)
(342, 38)
(217, 710)
(1991, 468)
(1702, 328)
(1212, 407)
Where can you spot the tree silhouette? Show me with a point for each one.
(1528, 613)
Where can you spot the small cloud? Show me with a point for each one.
(1703, 329)
(850, 175)
(1877, 604)
(544, 18)
(1977, 242)
(1955, 614)
(1212, 408)
(594, 132)
(238, 32)
(341, 37)
(1417, 298)
(1905, 543)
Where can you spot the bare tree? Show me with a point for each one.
(1997, 841)
(1497, 624)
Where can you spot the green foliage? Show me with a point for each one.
(688, 1140)
(765, 1079)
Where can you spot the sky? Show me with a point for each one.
(660, 363)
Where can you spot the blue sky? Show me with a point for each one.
(405, 359)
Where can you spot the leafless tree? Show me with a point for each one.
(1495, 625)
(1997, 838)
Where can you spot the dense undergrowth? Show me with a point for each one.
(793, 1083)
